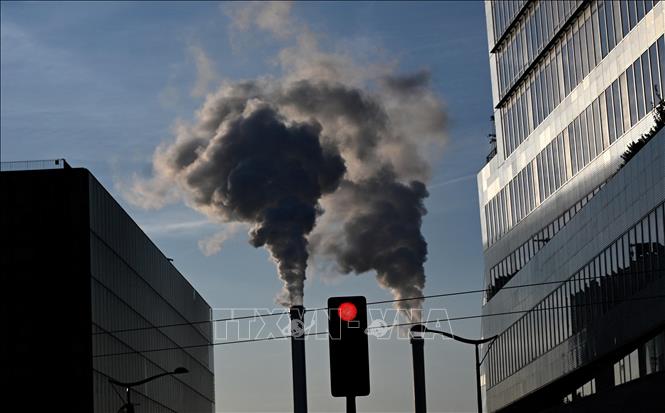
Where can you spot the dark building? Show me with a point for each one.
(76, 272)
(574, 83)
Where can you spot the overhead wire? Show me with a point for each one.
(286, 312)
(440, 320)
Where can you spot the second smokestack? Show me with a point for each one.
(418, 351)
(297, 313)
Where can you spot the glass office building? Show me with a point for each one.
(573, 83)
(83, 289)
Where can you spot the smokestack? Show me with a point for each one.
(418, 351)
(297, 313)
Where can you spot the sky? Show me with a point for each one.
(105, 84)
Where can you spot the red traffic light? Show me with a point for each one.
(349, 353)
(347, 311)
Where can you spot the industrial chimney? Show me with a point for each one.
(418, 352)
(297, 313)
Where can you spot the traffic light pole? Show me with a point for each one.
(350, 404)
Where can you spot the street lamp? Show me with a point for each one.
(129, 406)
(419, 363)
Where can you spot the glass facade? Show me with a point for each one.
(574, 83)
(503, 13)
(646, 359)
(529, 38)
(619, 107)
(502, 272)
(621, 270)
(576, 53)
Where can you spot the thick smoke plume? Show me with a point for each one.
(244, 162)
(329, 160)
(382, 233)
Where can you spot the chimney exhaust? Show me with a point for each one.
(297, 313)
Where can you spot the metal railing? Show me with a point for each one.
(34, 165)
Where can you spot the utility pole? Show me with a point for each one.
(422, 329)
(478, 392)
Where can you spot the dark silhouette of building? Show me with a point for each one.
(80, 283)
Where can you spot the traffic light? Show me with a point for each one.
(349, 354)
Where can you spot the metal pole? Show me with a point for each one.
(417, 349)
(297, 314)
(478, 392)
(350, 404)
(476, 343)
(130, 405)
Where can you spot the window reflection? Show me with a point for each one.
(622, 269)
(616, 110)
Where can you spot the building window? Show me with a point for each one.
(654, 353)
(623, 268)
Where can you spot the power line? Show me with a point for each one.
(276, 313)
(222, 343)
(192, 323)
(460, 318)
(440, 320)
(484, 290)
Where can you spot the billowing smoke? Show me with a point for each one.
(244, 162)
(382, 234)
(329, 161)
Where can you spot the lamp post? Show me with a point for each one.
(420, 382)
(129, 406)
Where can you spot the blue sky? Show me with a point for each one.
(102, 84)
